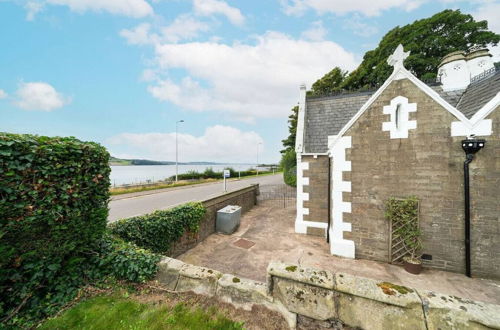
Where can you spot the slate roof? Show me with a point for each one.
(326, 116)
(478, 94)
(452, 97)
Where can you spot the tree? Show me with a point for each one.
(329, 83)
(289, 165)
(289, 142)
(428, 40)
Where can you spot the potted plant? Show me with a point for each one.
(413, 243)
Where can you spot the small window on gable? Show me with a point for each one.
(397, 117)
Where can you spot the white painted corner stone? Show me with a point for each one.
(301, 225)
(338, 245)
(481, 128)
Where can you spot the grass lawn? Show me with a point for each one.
(120, 312)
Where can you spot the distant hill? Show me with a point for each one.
(118, 161)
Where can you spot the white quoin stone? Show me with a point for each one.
(338, 245)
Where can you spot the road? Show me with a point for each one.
(137, 205)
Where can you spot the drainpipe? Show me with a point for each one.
(470, 146)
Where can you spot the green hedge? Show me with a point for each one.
(158, 230)
(53, 213)
(289, 165)
(209, 173)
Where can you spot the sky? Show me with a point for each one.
(123, 72)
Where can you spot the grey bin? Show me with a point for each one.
(228, 219)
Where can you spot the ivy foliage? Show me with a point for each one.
(404, 213)
(124, 261)
(53, 215)
(158, 230)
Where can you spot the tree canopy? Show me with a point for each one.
(329, 83)
(428, 40)
(289, 142)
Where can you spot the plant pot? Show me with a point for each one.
(412, 267)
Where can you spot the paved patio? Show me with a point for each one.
(267, 233)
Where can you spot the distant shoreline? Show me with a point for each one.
(140, 162)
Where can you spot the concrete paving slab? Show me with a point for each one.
(271, 228)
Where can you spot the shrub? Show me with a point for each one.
(158, 230)
(53, 211)
(191, 175)
(211, 174)
(125, 261)
(289, 165)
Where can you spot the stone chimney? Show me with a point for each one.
(457, 68)
(479, 61)
(454, 71)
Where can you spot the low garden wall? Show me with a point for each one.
(245, 197)
(321, 299)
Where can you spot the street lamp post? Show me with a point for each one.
(258, 157)
(176, 149)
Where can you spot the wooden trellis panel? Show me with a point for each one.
(397, 248)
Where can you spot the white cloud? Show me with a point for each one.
(490, 12)
(130, 8)
(3, 94)
(246, 80)
(211, 7)
(148, 75)
(218, 143)
(140, 35)
(39, 96)
(366, 7)
(358, 26)
(184, 27)
(316, 32)
(33, 8)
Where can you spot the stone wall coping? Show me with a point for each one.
(354, 297)
(381, 291)
(463, 312)
(224, 196)
(315, 277)
(198, 272)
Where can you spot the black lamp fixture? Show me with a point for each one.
(471, 146)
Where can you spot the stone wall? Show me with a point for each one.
(246, 198)
(429, 165)
(317, 205)
(332, 300)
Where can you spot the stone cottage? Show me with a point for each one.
(355, 151)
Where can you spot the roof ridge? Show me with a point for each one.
(341, 95)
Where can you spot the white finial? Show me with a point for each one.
(397, 58)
